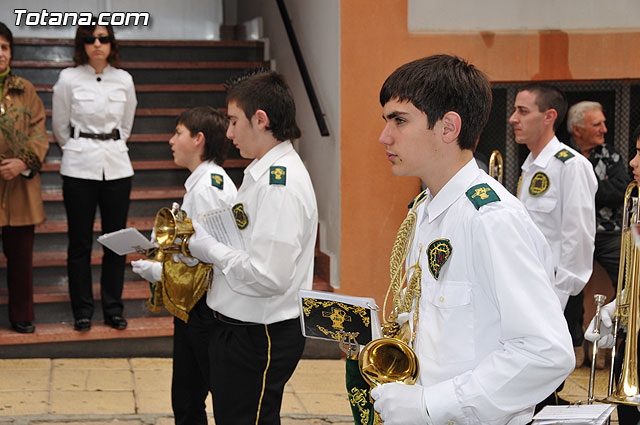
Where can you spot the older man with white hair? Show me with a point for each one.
(586, 124)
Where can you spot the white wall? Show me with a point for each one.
(518, 15)
(169, 20)
(317, 26)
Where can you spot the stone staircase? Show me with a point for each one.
(170, 77)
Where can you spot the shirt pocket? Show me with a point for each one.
(449, 322)
(117, 100)
(544, 204)
(84, 102)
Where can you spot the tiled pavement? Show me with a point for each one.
(136, 391)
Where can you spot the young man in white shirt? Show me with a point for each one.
(200, 145)
(256, 340)
(489, 333)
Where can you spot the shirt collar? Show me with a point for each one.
(451, 191)
(196, 175)
(544, 156)
(260, 166)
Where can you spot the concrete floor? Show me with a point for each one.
(136, 391)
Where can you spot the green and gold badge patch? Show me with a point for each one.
(539, 184)
(278, 175)
(482, 194)
(217, 180)
(241, 218)
(438, 253)
(563, 155)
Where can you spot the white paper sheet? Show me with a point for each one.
(221, 224)
(595, 414)
(125, 241)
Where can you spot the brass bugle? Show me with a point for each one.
(496, 165)
(173, 230)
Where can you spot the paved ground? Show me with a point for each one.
(136, 392)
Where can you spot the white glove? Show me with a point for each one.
(200, 244)
(605, 337)
(148, 270)
(400, 404)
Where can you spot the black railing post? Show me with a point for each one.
(315, 105)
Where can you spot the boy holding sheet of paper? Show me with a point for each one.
(256, 341)
(199, 144)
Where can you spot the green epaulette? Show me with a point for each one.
(418, 198)
(278, 175)
(217, 180)
(482, 194)
(563, 155)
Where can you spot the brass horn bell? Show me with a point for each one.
(173, 230)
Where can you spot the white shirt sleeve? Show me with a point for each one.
(535, 352)
(61, 109)
(126, 124)
(578, 227)
(268, 267)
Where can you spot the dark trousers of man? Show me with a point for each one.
(607, 253)
(190, 382)
(81, 197)
(17, 243)
(250, 364)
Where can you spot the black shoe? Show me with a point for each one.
(116, 322)
(23, 327)
(83, 324)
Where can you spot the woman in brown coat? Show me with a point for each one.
(23, 146)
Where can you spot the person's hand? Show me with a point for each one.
(400, 404)
(200, 243)
(605, 337)
(10, 168)
(148, 270)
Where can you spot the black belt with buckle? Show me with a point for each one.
(229, 321)
(114, 135)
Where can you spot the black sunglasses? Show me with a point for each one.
(104, 39)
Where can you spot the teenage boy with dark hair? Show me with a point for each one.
(256, 341)
(489, 333)
(200, 145)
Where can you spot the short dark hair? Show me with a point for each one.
(80, 54)
(635, 136)
(266, 90)
(213, 124)
(548, 97)
(6, 33)
(439, 84)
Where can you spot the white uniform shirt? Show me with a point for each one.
(92, 106)
(491, 339)
(202, 195)
(565, 212)
(261, 283)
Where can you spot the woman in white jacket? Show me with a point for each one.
(93, 108)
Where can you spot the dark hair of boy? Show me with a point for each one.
(439, 84)
(266, 90)
(548, 97)
(6, 33)
(80, 54)
(213, 125)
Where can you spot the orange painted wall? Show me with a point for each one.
(375, 41)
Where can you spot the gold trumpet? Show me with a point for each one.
(627, 389)
(496, 165)
(173, 230)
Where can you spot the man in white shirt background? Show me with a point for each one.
(557, 187)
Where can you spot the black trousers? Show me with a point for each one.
(81, 198)
(249, 366)
(190, 382)
(17, 244)
(607, 253)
